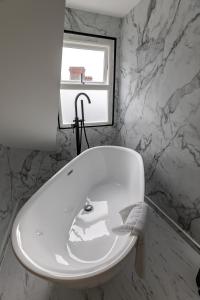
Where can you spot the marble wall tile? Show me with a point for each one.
(171, 266)
(6, 189)
(159, 109)
(159, 117)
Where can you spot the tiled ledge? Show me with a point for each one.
(174, 225)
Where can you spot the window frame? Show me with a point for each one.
(89, 46)
(93, 85)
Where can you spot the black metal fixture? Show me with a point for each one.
(88, 207)
(198, 281)
(79, 124)
(114, 39)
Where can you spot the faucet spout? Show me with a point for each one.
(76, 101)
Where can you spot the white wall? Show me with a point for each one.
(31, 33)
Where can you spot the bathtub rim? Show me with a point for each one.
(101, 268)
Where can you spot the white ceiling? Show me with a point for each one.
(117, 8)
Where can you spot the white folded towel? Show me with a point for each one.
(134, 218)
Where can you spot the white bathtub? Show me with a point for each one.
(55, 238)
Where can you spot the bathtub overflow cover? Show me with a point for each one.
(88, 207)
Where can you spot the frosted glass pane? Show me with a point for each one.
(88, 62)
(96, 112)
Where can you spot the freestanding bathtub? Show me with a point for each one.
(56, 238)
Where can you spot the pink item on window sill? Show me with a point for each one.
(75, 73)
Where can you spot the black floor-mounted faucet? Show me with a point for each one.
(80, 123)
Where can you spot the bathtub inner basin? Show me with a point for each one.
(56, 238)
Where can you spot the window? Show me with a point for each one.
(88, 66)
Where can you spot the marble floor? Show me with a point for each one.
(171, 266)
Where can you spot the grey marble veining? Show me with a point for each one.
(158, 115)
(6, 190)
(170, 270)
(159, 108)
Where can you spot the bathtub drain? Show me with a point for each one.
(88, 207)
